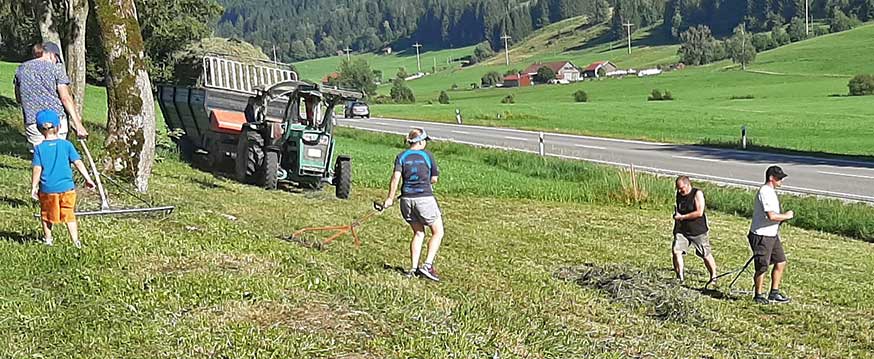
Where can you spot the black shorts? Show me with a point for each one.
(768, 250)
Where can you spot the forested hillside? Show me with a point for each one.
(303, 29)
(306, 29)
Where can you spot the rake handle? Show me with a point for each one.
(104, 202)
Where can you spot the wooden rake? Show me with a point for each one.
(378, 208)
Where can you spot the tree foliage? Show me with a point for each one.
(401, 93)
(357, 74)
(722, 16)
(699, 47)
(544, 75)
(481, 52)
(443, 98)
(491, 78)
(861, 85)
(740, 47)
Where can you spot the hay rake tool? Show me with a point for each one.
(105, 208)
(740, 271)
(378, 208)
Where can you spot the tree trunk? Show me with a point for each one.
(130, 144)
(46, 12)
(77, 19)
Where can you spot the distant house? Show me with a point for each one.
(330, 77)
(595, 69)
(564, 70)
(517, 80)
(387, 51)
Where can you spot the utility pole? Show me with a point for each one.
(506, 39)
(274, 54)
(628, 27)
(348, 52)
(418, 62)
(743, 48)
(807, 17)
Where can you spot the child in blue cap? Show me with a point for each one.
(52, 180)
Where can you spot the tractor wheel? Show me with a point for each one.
(250, 155)
(343, 177)
(186, 149)
(269, 171)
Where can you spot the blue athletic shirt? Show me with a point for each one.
(416, 168)
(55, 156)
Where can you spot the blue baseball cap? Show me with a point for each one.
(53, 48)
(47, 119)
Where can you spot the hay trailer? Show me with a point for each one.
(259, 123)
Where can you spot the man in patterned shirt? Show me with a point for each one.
(42, 84)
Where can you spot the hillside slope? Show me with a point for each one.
(791, 98)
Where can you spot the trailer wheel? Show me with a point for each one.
(269, 172)
(250, 155)
(343, 177)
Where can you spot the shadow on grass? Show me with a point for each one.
(13, 202)
(12, 140)
(18, 237)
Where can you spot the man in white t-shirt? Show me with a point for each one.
(764, 237)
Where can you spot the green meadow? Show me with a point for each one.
(542, 259)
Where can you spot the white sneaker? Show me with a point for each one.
(77, 244)
(48, 241)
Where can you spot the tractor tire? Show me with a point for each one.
(186, 149)
(343, 177)
(250, 156)
(268, 174)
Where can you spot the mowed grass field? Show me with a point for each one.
(215, 279)
(791, 98)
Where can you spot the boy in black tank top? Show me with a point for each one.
(690, 228)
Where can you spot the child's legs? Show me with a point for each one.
(47, 230)
(73, 227)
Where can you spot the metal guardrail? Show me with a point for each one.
(224, 74)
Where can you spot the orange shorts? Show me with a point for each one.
(58, 207)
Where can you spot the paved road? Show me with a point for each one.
(844, 179)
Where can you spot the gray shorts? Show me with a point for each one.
(34, 137)
(420, 210)
(682, 243)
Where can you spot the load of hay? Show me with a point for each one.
(188, 68)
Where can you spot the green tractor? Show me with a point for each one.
(258, 123)
(297, 147)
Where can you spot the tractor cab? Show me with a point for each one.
(298, 147)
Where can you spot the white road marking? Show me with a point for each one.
(515, 138)
(591, 147)
(845, 175)
(697, 159)
(461, 132)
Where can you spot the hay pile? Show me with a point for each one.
(188, 65)
(662, 299)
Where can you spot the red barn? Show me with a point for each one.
(517, 80)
